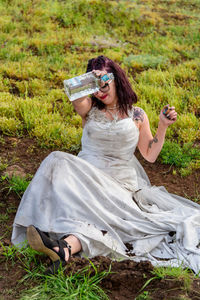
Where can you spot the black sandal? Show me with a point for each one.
(39, 241)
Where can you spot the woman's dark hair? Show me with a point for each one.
(126, 96)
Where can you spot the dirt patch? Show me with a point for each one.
(25, 153)
(127, 277)
(164, 175)
(9, 279)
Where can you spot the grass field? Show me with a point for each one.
(44, 42)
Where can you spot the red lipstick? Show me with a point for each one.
(103, 97)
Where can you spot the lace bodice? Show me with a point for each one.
(110, 144)
(116, 138)
(100, 116)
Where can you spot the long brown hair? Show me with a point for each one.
(125, 93)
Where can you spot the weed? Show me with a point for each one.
(10, 126)
(9, 252)
(170, 273)
(2, 141)
(196, 197)
(11, 209)
(3, 218)
(15, 184)
(143, 296)
(173, 154)
(3, 164)
(177, 273)
(21, 252)
(27, 257)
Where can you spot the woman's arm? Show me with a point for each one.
(148, 145)
(82, 106)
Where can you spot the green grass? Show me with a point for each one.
(12, 253)
(187, 158)
(179, 273)
(143, 296)
(3, 218)
(168, 273)
(15, 184)
(83, 284)
(3, 164)
(80, 286)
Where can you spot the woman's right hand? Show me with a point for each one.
(99, 74)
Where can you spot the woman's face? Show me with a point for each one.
(109, 98)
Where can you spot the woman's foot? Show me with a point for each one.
(58, 250)
(75, 248)
(75, 244)
(39, 241)
(66, 252)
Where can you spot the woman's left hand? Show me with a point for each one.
(168, 115)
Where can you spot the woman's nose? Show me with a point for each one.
(99, 93)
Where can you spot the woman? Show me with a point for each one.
(99, 201)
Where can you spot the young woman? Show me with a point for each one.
(96, 202)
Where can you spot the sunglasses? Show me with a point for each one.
(105, 88)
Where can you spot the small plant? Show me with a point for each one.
(193, 165)
(3, 218)
(3, 164)
(177, 273)
(9, 252)
(10, 125)
(173, 154)
(16, 184)
(143, 296)
(2, 141)
(11, 209)
(173, 273)
(26, 256)
(29, 259)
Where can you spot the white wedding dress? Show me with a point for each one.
(103, 197)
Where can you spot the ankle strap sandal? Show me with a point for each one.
(39, 241)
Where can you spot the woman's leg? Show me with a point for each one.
(40, 241)
(75, 244)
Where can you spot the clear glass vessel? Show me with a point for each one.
(84, 85)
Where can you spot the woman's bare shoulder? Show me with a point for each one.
(138, 114)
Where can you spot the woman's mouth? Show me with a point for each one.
(103, 97)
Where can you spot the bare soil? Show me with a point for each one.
(127, 277)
